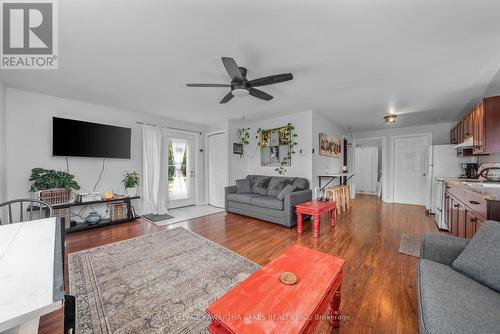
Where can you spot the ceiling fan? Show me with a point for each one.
(241, 86)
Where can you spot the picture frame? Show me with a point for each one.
(237, 148)
(329, 146)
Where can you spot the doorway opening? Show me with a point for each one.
(370, 166)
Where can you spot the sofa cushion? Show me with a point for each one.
(259, 184)
(276, 185)
(301, 183)
(269, 202)
(241, 198)
(450, 302)
(243, 186)
(480, 260)
(288, 189)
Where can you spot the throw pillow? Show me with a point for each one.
(259, 185)
(276, 185)
(301, 183)
(287, 190)
(480, 260)
(243, 186)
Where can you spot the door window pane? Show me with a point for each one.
(177, 169)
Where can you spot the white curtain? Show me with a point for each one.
(178, 150)
(154, 170)
(367, 170)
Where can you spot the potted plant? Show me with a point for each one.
(54, 187)
(130, 181)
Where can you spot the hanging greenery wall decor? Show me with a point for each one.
(243, 135)
(277, 147)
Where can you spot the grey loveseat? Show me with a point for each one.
(458, 292)
(261, 199)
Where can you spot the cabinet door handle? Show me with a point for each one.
(456, 205)
(474, 202)
(447, 187)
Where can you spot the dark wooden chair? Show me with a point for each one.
(21, 210)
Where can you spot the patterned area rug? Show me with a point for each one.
(158, 283)
(410, 245)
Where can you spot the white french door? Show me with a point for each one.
(181, 167)
(410, 168)
(217, 172)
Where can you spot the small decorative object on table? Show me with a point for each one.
(93, 218)
(131, 180)
(288, 278)
(315, 209)
(109, 195)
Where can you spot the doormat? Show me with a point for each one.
(157, 218)
(410, 245)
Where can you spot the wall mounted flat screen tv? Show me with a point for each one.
(84, 139)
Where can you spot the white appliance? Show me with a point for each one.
(442, 162)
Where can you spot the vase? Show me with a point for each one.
(131, 192)
(93, 218)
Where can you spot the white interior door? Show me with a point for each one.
(366, 169)
(181, 167)
(217, 149)
(410, 168)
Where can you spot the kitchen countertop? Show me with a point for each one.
(489, 194)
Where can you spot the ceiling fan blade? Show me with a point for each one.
(208, 85)
(260, 94)
(227, 98)
(272, 79)
(232, 69)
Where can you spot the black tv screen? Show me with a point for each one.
(84, 139)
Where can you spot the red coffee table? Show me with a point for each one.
(262, 304)
(315, 209)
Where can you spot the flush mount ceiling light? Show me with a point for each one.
(390, 119)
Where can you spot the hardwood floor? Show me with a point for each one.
(378, 290)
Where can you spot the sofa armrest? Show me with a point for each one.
(440, 248)
(228, 190)
(294, 198)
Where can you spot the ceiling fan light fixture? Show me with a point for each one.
(390, 119)
(239, 92)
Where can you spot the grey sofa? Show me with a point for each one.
(263, 203)
(450, 301)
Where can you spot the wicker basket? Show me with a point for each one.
(58, 196)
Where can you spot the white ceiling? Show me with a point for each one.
(352, 60)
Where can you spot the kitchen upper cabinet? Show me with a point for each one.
(454, 135)
(478, 129)
(467, 126)
(483, 124)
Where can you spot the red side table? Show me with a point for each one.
(315, 209)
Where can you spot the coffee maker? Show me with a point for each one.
(469, 170)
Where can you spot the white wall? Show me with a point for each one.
(320, 164)
(3, 145)
(29, 134)
(440, 135)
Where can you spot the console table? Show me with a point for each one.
(344, 177)
(82, 226)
